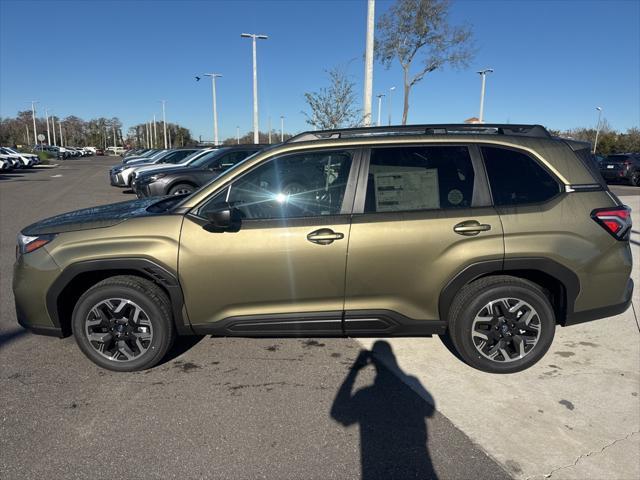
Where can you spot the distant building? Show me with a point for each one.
(472, 120)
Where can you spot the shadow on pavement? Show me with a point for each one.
(391, 416)
(181, 345)
(10, 336)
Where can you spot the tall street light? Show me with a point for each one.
(155, 132)
(595, 144)
(164, 122)
(61, 137)
(389, 105)
(215, 105)
(380, 96)
(282, 128)
(483, 74)
(238, 134)
(368, 63)
(46, 114)
(53, 128)
(255, 37)
(33, 116)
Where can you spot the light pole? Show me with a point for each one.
(215, 105)
(389, 102)
(33, 116)
(269, 130)
(164, 122)
(61, 137)
(155, 132)
(483, 74)
(282, 128)
(46, 115)
(53, 128)
(238, 134)
(379, 96)
(595, 144)
(28, 139)
(255, 37)
(368, 63)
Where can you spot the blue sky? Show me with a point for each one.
(554, 61)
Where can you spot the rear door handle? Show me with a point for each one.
(471, 228)
(324, 236)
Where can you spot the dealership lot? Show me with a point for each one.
(244, 408)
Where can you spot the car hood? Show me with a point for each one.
(94, 217)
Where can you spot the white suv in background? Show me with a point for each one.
(27, 160)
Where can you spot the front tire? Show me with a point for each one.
(123, 323)
(501, 324)
(181, 189)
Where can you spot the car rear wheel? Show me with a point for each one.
(501, 324)
(124, 323)
(181, 189)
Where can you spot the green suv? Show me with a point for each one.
(488, 235)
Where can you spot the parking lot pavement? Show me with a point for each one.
(574, 415)
(223, 408)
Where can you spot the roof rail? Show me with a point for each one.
(537, 131)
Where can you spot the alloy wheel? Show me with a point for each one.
(506, 330)
(118, 329)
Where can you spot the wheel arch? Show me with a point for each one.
(560, 284)
(181, 180)
(78, 277)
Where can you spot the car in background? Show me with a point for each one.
(99, 151)
(122, 175)
(184, 179)
(622, 167)
(115, 150)
(11, 161)
(148, 155)
(28, 160)
(5, 165)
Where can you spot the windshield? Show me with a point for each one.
(206, 158)
(617, 158)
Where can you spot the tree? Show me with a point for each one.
(412, 27)
(333, 107)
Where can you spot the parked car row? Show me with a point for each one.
(11, 159)
(621, 167)
(66, 152)
(175, 172)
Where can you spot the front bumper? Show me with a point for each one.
(33, 274)
(116, 179)
(152, 189)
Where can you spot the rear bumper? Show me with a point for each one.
(602, 312)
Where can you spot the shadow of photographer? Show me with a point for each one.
(391, 416)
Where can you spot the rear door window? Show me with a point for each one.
(516, 178)
(419, 178)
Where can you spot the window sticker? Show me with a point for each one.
(455, 197)
(405, 188)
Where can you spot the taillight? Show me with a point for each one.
(616, 221)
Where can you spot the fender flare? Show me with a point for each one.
(148, 268)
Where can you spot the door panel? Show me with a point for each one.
(424, 216)
(402, 261)
(266, 268)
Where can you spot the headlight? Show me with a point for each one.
(157, 176)
(29, 243)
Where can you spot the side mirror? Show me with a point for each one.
(220, 221)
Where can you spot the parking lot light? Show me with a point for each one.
(282, 128)
(46, 115)
(255, 37)
(389, 104)
(164, 122)
(483, 74)
(53, 128)
(595, 143)
(33, 116)
(215, 105)
(380, 96)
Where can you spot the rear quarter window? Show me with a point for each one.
(516, 178)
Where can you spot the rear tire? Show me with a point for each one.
(124, 323)
(501, 324)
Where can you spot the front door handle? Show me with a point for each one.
(471, 228)
(324, 236)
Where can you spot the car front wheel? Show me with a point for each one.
(124, 323)
(501, 324)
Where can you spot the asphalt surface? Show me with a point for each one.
(216, 407)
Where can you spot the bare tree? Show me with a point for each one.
(333, 107)
(412, 27)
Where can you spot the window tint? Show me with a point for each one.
(419, 178)
(516, 178)
(228, 160)
(304, 185)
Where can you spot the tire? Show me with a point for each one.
(135, 341)
(523, 335)
(181, 188)
(634, 181)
